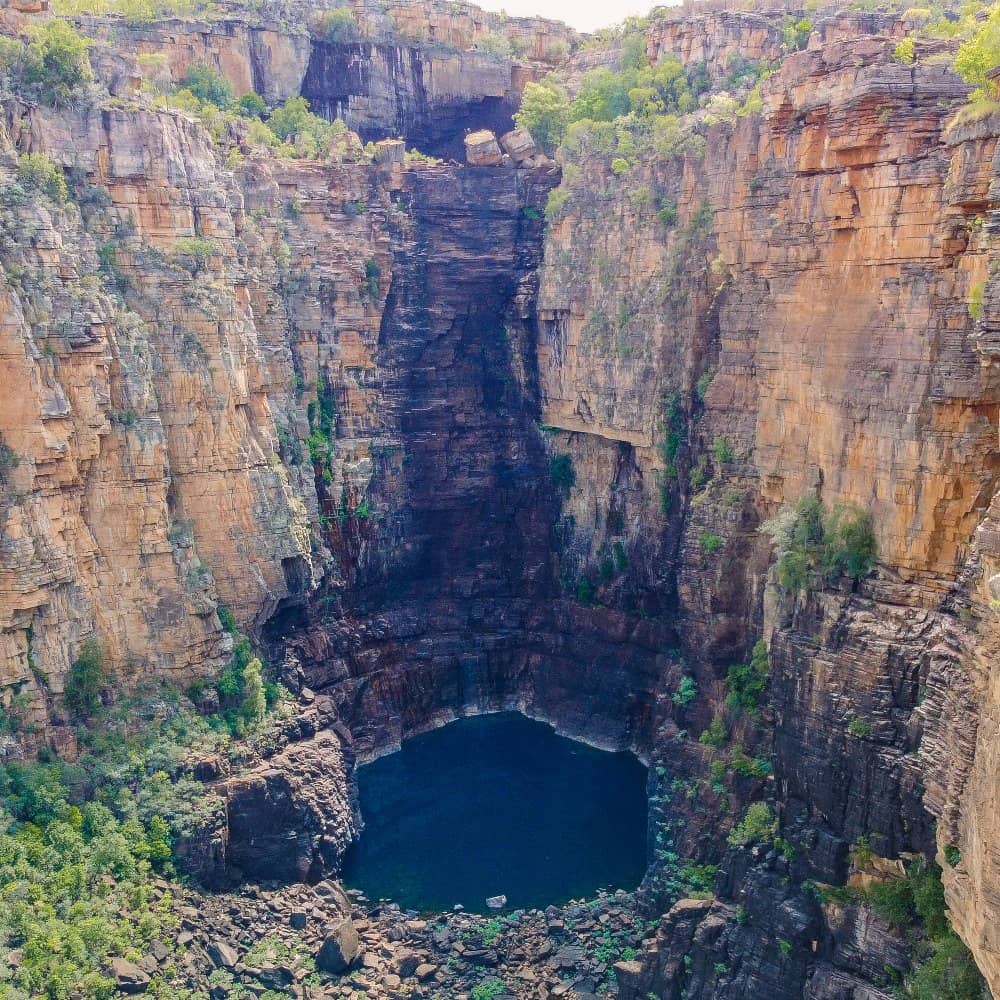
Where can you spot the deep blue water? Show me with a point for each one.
(498, 804)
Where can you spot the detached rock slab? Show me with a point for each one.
(519, 144)
(223, 955)
(482, 150)
(340, 947)
(390, 151)
(129, 978)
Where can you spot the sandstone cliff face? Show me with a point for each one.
(426, 71)
(175, 330)
(149, 485)
(842, 221)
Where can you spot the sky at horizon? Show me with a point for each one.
(584, 15)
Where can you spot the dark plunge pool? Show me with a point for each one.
(498, 804)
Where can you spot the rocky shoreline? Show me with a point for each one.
(322, 941)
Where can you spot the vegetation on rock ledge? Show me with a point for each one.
(814, 545)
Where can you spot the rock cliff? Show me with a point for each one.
(439, 455)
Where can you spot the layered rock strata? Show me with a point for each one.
(180, 330)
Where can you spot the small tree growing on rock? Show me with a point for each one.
(254, 703)
(87, 680)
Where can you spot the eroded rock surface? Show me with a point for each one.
(177, 329)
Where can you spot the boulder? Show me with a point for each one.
(568, 957)
(406, 963)
(128, 977)
(628, 975)
(223, 955)
(481, 149)
(496, 902)
(340, 948)
(519, 145)
(276, 977)
(390, 151)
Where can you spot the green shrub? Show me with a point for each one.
(859, 728)
(134, 11)
(338, 26)
(201, 250)
(814, 546)
(260, 134)
(308, 135)
(949, 973)
(9, 459)
(759, 825)
(226, 619)
(667, 213)
(12, 55)
(372, 274)
(918, 895)
(75, 893)
(254, 704)
(561, 472)
(745, 682)
(674, 428)
(495, 45)
(556, 202)
(721, 449)
(710, 542)
(55, 62)
(647, 92)
(87, 680)
(671, 137)
(544, 112)
(718, 771)
(716, 734)
(251, 105)
(975, 304)
(78, 841)
(796, 33)
(620, 556)
(207, 85)
(749, 767)
(687, 691)
(36, 172)
(698, 475)
(905, 51)
(488, 989)
(585, 591)
(619, 166)
(849, 542)
(977, 56)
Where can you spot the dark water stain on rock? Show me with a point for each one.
(498, 805)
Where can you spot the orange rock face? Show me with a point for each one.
(774, 306)
(148, 486)
(814, 270)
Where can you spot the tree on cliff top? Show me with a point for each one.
(980, 54)
(55, 62)
(338, 26)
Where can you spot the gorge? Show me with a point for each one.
(668, 418)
